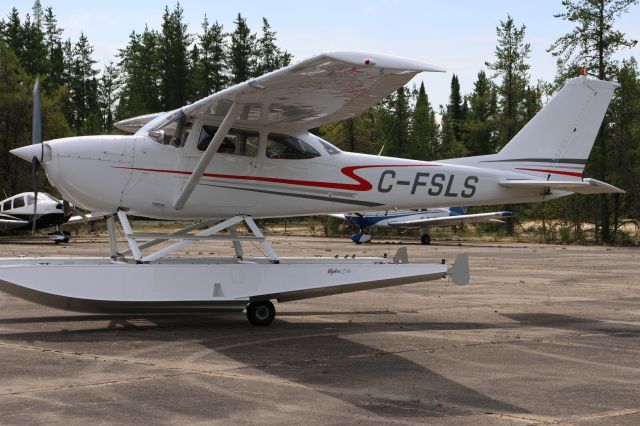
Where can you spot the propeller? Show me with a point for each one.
(36, 138)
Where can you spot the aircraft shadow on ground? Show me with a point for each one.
(573, 323)
(319, 355)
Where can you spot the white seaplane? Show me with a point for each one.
(31, 210)
(246, 153)
(424, 219)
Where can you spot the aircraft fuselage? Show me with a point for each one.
(143, 176)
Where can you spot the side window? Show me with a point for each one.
(7, 205)
(18, 202)
(289, 148)
(237, 142)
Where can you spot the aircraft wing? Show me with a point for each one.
(323, 89)
(584, 186)
(132, 125)
(454, 220)
(90, 217)
(8, 223)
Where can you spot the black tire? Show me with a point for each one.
(425, 239)
(261, 313)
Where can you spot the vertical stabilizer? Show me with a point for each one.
(555, 144)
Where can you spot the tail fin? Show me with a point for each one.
(557, 141)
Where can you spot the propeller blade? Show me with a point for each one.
(36, 138)
(36, 126)
(35, 175)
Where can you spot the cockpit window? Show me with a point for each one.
(289, 148)
(331, 150)
(237, 142)
(169, 132)
(18, 202)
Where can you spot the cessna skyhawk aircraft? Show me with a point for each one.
(17, 213)
(245, 152)
(422, 218)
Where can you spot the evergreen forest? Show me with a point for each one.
(160, 69)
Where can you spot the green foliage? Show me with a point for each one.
(242, 52)
(591, 45)
(167, 67)
(512, 69)
(172, 53)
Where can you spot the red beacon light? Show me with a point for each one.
(582, 72)
(369, 62)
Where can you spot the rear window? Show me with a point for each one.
(286, 147)
(237, 142)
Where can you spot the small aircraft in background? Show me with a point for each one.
(17, 213)
(423, 219)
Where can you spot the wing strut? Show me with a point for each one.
(207, 156)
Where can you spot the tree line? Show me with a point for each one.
(165, 68)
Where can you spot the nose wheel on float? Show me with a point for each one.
(425, 239)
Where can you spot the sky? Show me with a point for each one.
(454, 34)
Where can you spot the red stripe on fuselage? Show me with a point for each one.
(556, 172)
(362, 185)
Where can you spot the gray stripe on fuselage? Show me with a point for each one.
(308, 196)
(541, 160)
(279, 186)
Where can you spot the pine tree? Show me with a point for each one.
(456, 109)
(15, 120)
(54, 53)
(592, 45)
(269, 56)
(174, 42)
(511, 67)
(242, 53)
(211, 74)
(13, 33)
(34, 55)
(624, 145)
(140, 75)
(108, 89)
(83, 88)
(480, 123)
(424, 128)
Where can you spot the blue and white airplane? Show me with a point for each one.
(423, 219)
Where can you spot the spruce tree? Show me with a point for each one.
(211, 72)
(269, 56)
(54, 53)
(512, 69)
(108, 89)
(480, 123)
(424, 128)
(242, 53)
(173, 55)
(140, 79)
(591, 45)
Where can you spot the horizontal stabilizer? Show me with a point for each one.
(584, 186)
(459, 272)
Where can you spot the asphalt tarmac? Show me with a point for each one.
(542, 335)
